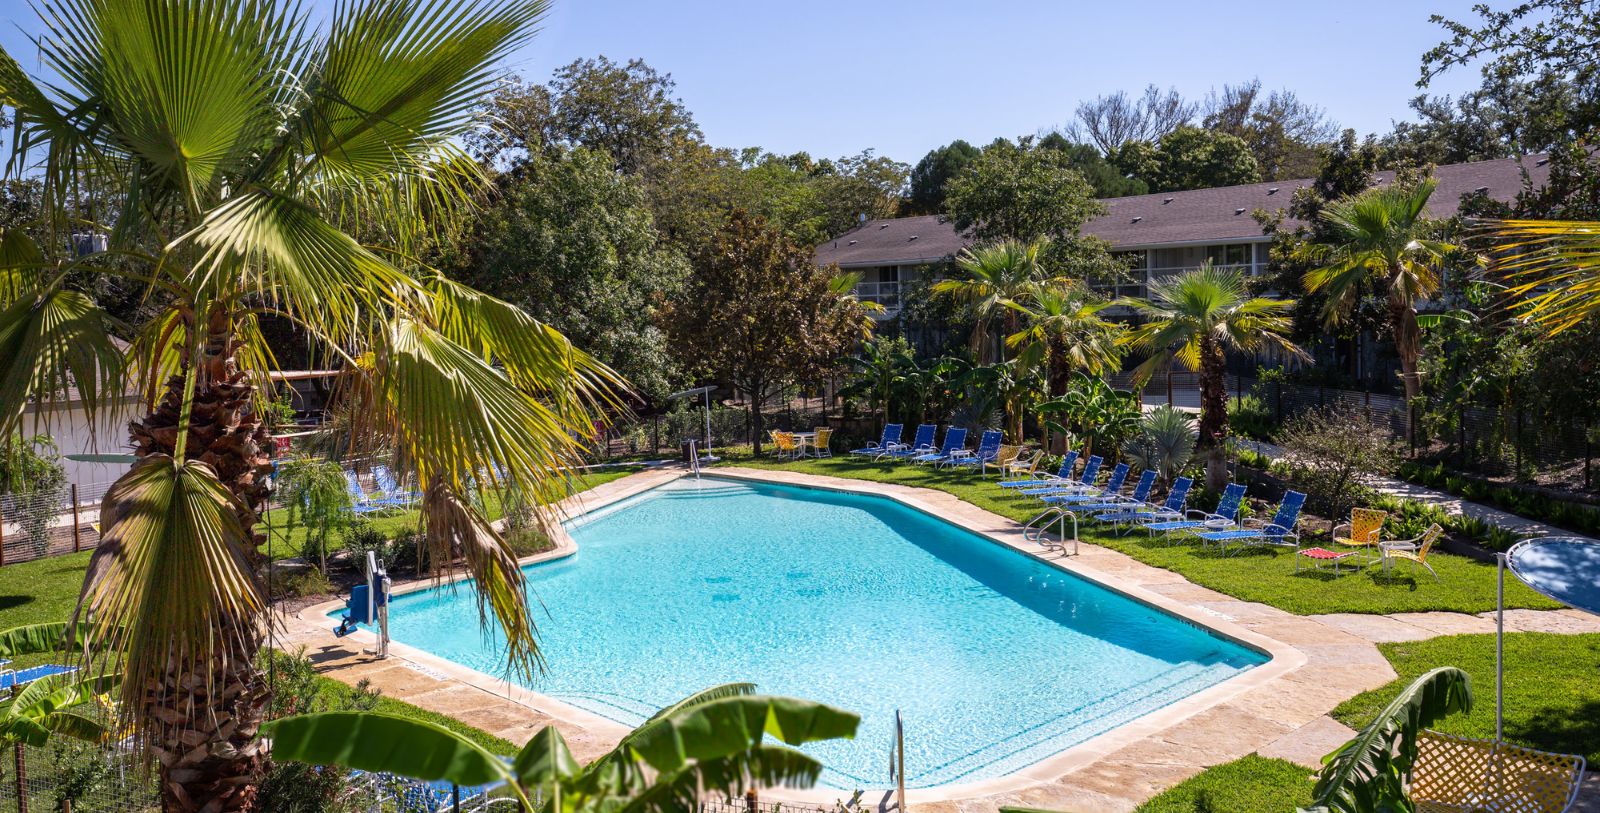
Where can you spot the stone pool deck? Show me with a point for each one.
(1278, 710)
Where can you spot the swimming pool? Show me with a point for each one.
(995, 659)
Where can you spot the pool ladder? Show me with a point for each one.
(1036, 528)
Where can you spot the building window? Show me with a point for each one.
(1235, 254)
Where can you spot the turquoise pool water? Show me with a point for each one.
(995, 660)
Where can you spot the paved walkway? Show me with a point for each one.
(1449, 502)
(1280, 710)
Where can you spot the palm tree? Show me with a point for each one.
(1552, 268)
(991, 279)
(1064, 334)
(1194, 317)
(708, 745)
(241, 150)
(1381, 236)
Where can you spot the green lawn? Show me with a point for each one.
(286, 542)
(1267, 576)
(1552, 688)
(1252, 784)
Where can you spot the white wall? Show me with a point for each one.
(73, 434)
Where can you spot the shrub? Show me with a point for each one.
(528, 541)
(1248, 415)
(299, 584)
(1330, 451)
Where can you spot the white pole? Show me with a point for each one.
(708, 421)
(1499, 644)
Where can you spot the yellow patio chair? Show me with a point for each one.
(1364, 530)
(824, 434)
(784, 444)
(1003, 458)
(1414, 551)
(1462, 775)
(1024, 465)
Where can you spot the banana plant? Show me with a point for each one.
(712, 741)
(1367, 774)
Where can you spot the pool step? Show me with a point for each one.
(1076, 725)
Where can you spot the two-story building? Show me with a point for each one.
(1167, 232)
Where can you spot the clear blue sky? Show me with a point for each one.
(833, 77)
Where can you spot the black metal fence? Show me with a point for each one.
(1492, 440)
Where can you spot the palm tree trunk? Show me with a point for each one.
(210, 757)
(1408, 346)
(1213, 412)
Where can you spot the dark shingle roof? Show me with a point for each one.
(1217, 215)
(907, 240)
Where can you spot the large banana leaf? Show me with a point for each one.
(764, 766)
(1367, 773)
(545, 760)
(33, 639)
(373, 741)
(730, 725)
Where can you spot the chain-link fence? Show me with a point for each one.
(67, 775)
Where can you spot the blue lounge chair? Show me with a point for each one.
(1280, 531)
(1119, 475)
(10, 679)
(988, 450)
(1084, 484)
(891, 436)
(1227, 513)
(1171, 509)
(1113, 502)
(393, 492)
(954, 438)
(921, 443)
(359, 501)
(1062, 474)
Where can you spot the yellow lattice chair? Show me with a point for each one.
(784, 441)
(1024, 465)
(1414, 551)
(824, 435)
(1364, 530)
(1460, 775)
(1007, 455)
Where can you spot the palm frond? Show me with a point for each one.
(399, 78)
(54, 348)
(455, 528)
(170, 569)
(1551, 267)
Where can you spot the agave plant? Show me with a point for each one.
(231, 156)
(1164, 442)
(1368, 773)
(710, 744)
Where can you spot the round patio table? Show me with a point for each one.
(802, 440)
(1565, 568)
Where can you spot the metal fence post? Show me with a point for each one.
(1277, 401)
(77, 542)
(2, 533)
(1588, 454)
(1169, 386)
(1461, 437)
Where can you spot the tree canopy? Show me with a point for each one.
(928, 177)
(1189, 158)
(574, 244)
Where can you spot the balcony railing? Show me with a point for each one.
(886, 294)
(1141, 289)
